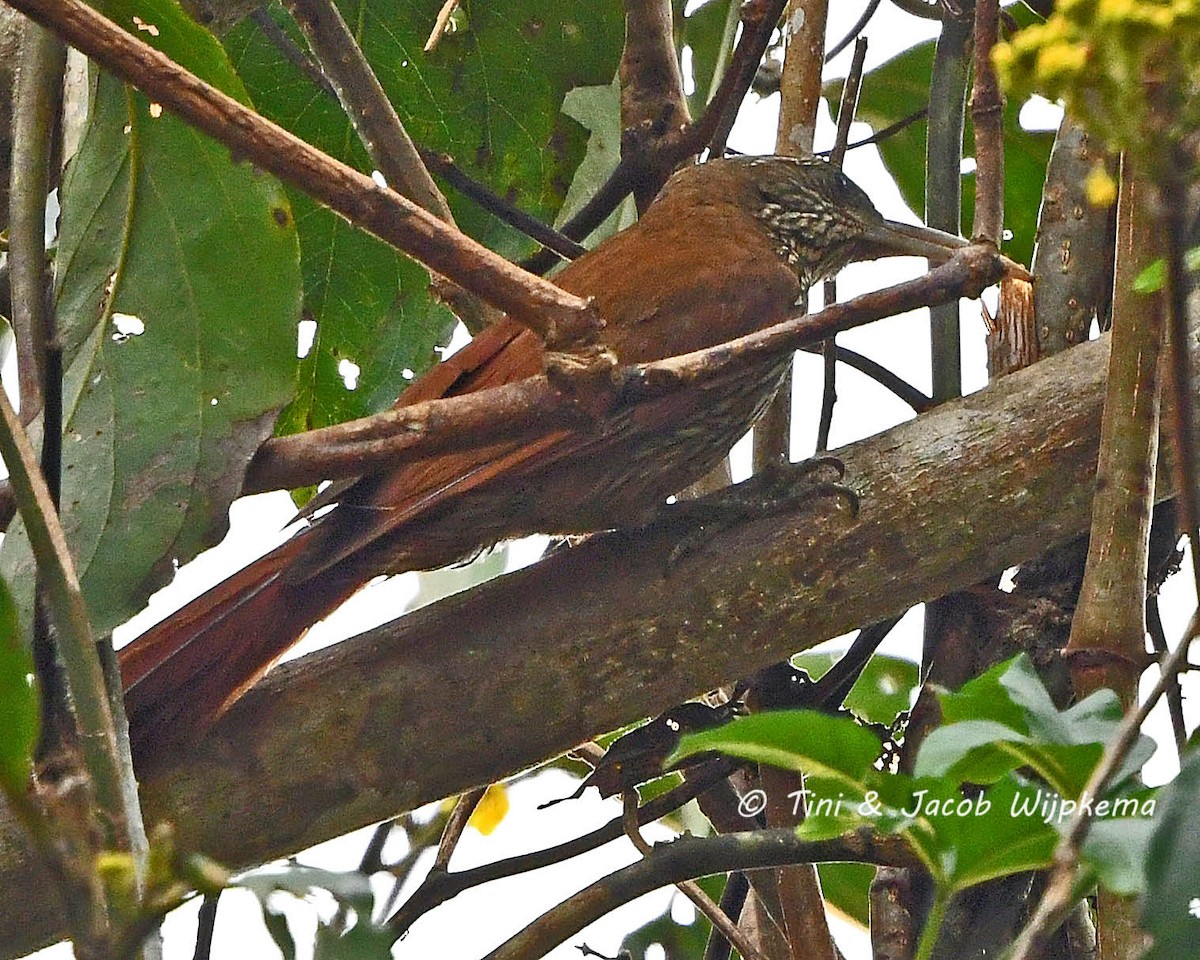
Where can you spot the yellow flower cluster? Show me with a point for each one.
(1128, 69)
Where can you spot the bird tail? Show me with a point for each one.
(182, 673)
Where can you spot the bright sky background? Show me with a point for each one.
(476, 922)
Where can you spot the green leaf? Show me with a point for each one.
(1154, 276)
(1023, 728)
(598, 110)
(490, 96)
(883, 690)
(979, 838)
(163, 231)
(19, 707)
(1116, 848)
(984, 698)
(1170, 907)
(1151, 279)
(834, 748)
(705, 31)
(847, 886)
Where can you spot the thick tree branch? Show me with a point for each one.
(598, 635)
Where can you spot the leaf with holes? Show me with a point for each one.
(490, 95)
(178, 295)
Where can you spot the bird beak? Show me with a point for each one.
(889, 238)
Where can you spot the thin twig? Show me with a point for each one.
(733, 901)
(206, 926)
(846, 110)
(854, 31)
(437, 889)
(1158, 641)
(883, 376)
(501, 207)
(68, 615)
(689, 888)
(759, 19)
(887, 132)
(455, 826)
(440, 24)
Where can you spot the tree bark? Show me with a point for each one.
(486, 683)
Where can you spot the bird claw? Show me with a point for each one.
(773, 491)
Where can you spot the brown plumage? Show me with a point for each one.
(728, 248)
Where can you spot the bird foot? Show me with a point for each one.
(775, 490)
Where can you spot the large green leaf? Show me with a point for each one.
(490, 95)
(1171, 903)
(178, 295)
(1005, 719)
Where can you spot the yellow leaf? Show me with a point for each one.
(491, 809)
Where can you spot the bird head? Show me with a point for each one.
(821, 220)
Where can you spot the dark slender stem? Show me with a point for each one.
(733, 900)
(943, 187)
(502, 208)
(593, 213)
(758, 21)
(1174, 695)
(854, 31)
(845, 117)
(828, 379)
(883, 376)
(281, 41)
(889, 131)
(440, 887)
(207, 925)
